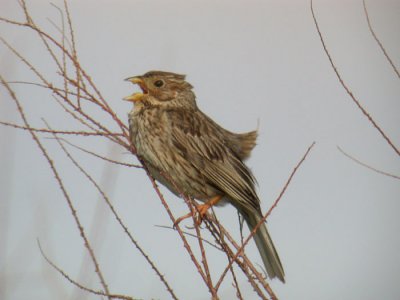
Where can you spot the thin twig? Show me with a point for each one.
(118, 218)
(100, 156)
(68, 92)
(219, 232)
(64, 58)
(173, 219)
(379, 42)
(75, 56)
(210, 284)
(252, 233)
(235, 284)
(363, 110)
(192, 235)
(58, 93)
(366, 165)
(61, 185)
(44, 35)
(77, 284)
(66, 132)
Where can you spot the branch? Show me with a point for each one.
(60, 183)
(117, 217)
(59, 270)
(363, 110)
(379, 42)
(252, 233)
(100, 156)
(367, 166)
(66, 132)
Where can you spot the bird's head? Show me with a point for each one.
(162, 89)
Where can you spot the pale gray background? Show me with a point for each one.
(251, 62)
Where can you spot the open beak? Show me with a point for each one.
(136, 97)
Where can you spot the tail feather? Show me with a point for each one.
(266, 247)
(242, 143)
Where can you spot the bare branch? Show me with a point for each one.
(77, 284)
(366, 165)
(192, 235)
(239, 251)
(100, 156)
(107, 200)
(379, 42)
(220, 233)
(66, 132)
(363, 110)
(60, 183)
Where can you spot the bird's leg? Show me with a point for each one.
(201, 210)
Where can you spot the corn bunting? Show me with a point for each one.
(203, 160)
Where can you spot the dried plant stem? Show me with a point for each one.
(177, 227)
(379, 42)
(219, 234)
(209, 283)
(74, 55)
(366, 165)
(77, 284)
(64, 90)
(46, 37)
(193, 236)
(240, 250)
(246, 265)
(100, 156)
(363, 110)
(66, 132)
(61, 185)
(66, 100)
(117, 217)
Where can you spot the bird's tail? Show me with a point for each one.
(266, 247)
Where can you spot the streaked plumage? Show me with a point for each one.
(203, 159)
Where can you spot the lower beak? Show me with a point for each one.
(134, 97)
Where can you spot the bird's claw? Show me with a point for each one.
(199, 214)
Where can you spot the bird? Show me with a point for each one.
(193, 156)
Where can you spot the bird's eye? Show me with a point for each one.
(158, 83)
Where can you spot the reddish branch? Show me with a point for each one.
(379, 42)
(348, 91)
(77, 284)
(117, 217)
(366, 165)
(61, 185)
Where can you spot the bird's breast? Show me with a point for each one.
(147, 131)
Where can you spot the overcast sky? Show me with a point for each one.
(252, 63)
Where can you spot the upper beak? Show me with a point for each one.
(136, 96)
(135, 80)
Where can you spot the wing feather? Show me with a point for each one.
(209, 152)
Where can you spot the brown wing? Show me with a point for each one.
(209, 152)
